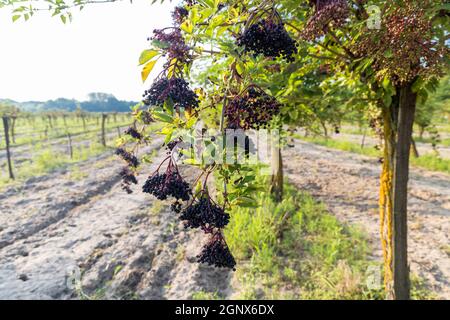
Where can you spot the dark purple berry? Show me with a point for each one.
(216, 253)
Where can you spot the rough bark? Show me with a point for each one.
(406, 113)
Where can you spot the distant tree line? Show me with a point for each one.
(97, 102)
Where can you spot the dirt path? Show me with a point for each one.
(69, 238)
(58, 235)
(348, 185)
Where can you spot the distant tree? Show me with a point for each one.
(435, 109)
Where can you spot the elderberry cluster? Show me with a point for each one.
(128, 178)
(251, 110)
(216, 253)
(131, 159)
(147, 117)
(179, 14)
(206, 214)
(408, 38)
(175, 89)
(269, 38)
(334, 12)
(172, 144)
(167, 184)
(174, 45)
(133, 133)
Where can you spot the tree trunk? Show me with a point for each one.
(363, 141)
(325, 130)
(407, 107)
(421, 132)
(414, 148)
(276, 187)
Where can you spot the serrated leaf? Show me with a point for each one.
(162, 117)
(147, 69)
(187, 26)
(147, 55)
(417, 85)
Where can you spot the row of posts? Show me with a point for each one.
(6, 128)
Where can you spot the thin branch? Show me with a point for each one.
(349, 53)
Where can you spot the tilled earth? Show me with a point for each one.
(348, 184)
(81, 237)
(66, 239)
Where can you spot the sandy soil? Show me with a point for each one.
(66, 239)
(348, 185)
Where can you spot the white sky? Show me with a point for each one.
(98, 51)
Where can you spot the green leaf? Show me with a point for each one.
(418, 84)
(63, 19)
(191, 122)
(293, 114)
(16, 17)
(162, 117)
(147, 69)
(168, 138)
(147, 55)
(187, 26)
(387, 99)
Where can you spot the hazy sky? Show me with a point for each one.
(98, 52)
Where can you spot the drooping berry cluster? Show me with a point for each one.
(404, 47)
(133, 133)
(179, 14)
(174, 45)
(146, 117)
(128, 178)
(190, 3)
(251, 110)
(130, 158)
(172, 144)
(168, 184)
(216, 253)
(175, 89)
(326, 13)
(204, 213)
(269, 38)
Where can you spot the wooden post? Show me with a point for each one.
(104, 116)
(8, 153)
(407, 107)
(13, 131)
(69, 138)
(118, 132)
(84, 122)
(49, 117)
(276, 186)
(363, 142)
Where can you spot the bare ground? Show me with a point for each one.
(348, 184)
(66, 239)
(72, 238)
